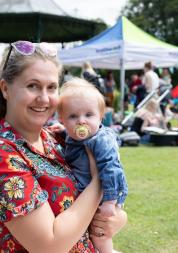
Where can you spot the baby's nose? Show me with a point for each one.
(81, 120)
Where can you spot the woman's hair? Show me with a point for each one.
(16, 64)
(148, 65)
(87, 65)
(152, 105)
(109, 75)
(77, 87)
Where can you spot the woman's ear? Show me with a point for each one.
(4, 88)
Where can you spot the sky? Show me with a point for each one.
(107, 10)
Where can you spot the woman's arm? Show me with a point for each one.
(41, 232)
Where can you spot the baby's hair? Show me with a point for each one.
(78, 87)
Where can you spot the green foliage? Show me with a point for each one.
(152, 201)
(158, 17)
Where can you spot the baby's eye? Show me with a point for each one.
(72, 116)
(89, 114)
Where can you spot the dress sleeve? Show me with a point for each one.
(20, 192)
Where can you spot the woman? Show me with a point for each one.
(40, 209)
(151, 115)
(89, 74)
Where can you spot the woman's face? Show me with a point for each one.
(33, 96)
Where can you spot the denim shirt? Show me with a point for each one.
(104, 146)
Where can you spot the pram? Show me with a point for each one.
(132, 124)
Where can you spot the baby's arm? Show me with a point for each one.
(108, 208)
(105, 149)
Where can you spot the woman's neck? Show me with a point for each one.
(30, 134)
(33, 138)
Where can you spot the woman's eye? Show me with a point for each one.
(52, 87)
(32, 86)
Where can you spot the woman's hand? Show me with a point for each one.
(108, 226)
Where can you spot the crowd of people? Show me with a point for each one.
(137, 88)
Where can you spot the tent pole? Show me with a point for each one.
(39, 30)
(122, 84)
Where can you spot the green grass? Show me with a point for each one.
(152, 203)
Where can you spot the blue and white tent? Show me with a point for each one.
(123, 46)
(124, 43)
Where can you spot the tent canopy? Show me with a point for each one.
(38, 20)
(123, 44)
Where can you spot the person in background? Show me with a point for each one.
(152, 115)
(40, 208)
(109, 87)
(108, 118)
(148, 116)
(135, 82)
(89, 74)
(67, 75)
(165, 86)
(81, 109)
(166, 76)
(151, 78)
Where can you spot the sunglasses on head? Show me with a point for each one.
(28, 48)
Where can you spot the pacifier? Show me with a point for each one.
(82, 131)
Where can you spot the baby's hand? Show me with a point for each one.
(56, 128)
(108, 208)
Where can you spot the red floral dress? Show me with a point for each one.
(28, 178)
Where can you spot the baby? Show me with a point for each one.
(81, 109)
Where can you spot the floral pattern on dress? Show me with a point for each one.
(29, 178)
(15, 162)
(15, 188)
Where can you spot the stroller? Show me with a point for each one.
(132, 124)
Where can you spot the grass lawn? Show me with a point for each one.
(152, 203)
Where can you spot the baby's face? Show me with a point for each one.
(81, 117)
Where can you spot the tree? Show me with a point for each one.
(157, 17)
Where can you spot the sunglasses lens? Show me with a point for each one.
(28, 48)
(24, 47)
